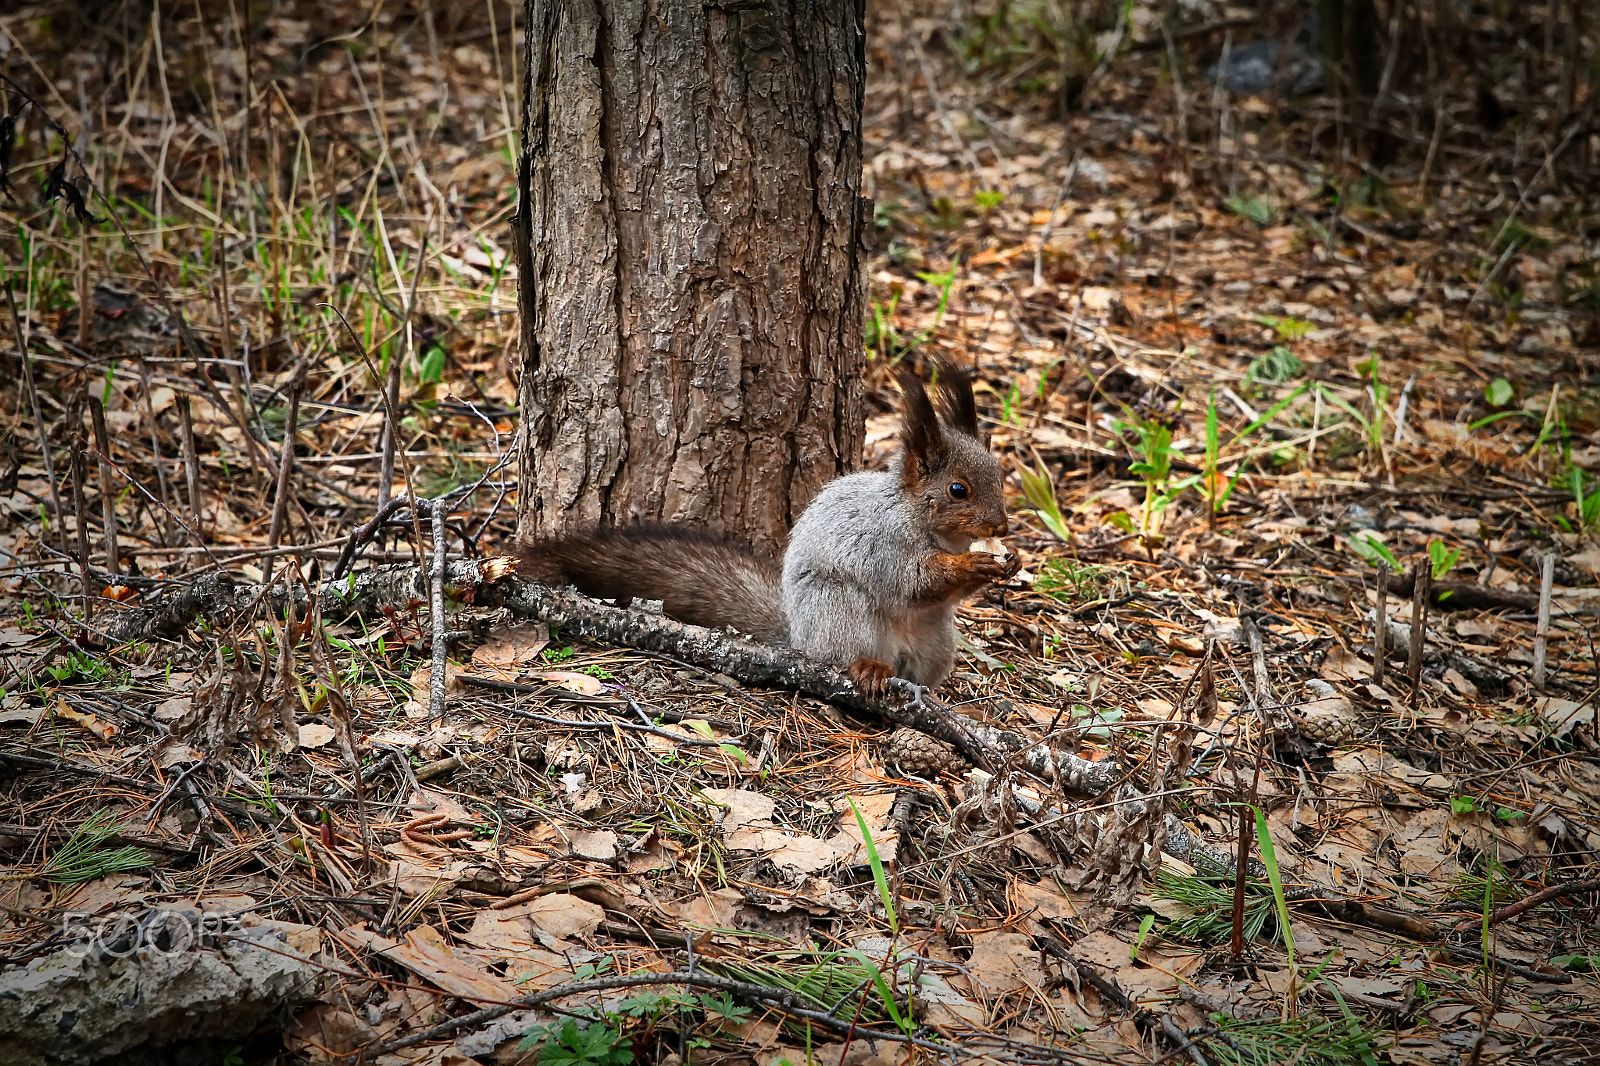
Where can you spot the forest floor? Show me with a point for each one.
(1254, 397)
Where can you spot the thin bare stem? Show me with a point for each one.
(191, 463)
(1421, 583)
(1541, 633)
(1380, 625)
(291, 425)
(108, 502)
(80, 514)
(155, 437)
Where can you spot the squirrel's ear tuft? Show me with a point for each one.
(920, 430)
(956, 403)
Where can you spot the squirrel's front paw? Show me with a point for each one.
(871, 677)
(987, 567)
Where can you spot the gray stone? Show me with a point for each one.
(82, 1006)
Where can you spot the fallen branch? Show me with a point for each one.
(218, 596)
(1544, 895)
(762, 664)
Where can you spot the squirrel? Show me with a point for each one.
(874, 568)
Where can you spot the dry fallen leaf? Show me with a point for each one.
(315, 734)
(1004, 962)
(515, 646)
(582, 684)
(89, 722)
(565, 916)
(424, 953)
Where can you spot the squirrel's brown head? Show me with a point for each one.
(946, 462)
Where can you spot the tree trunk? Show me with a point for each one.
(689, 254)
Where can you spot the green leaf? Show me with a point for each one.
(1498, 392)
(1257, 209)
(432, 366)
(592, 1045)
(1442, 558)
(1463, 805)
(1269, 858)
(879, 877)
(1374, 551)
(1145, 925)
(1040, 491)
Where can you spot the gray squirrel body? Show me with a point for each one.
(874, 568)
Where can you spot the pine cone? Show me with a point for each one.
(917, 753)
(1328, 718)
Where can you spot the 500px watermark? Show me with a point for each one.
(158, 932)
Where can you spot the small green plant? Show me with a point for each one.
(945, 282)
(1485, 875)
(986, 200)
(1499, 393)
(1269, 859)
(1442, 559)
(879, 878)
(1274, 368)
(902, 1021)
(1153, 447)
(1367, 190)
(881, 337)
(557, 655)
(1553, 427)
(1585, 489)
(1470, 805)
(566, 1043)
(1372, 423)
(654, 1002)
(1147, 923)
(1011, 406)
(726, 1010)
(80, 666)
(1040, 491)
(1213, 486)
(1577, 963)
(1290, 329)
(84, 858)
(1261, 210)
(1306, 1041)
(1491, 867)
(1211, 907)
(1374, 551)
(264, 797)
(1044, 47)
(430, 368)
(1068, 581)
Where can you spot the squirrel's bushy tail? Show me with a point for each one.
(700, 578)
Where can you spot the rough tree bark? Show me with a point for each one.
(689, 256)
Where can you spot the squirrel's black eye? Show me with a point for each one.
(958, 490)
